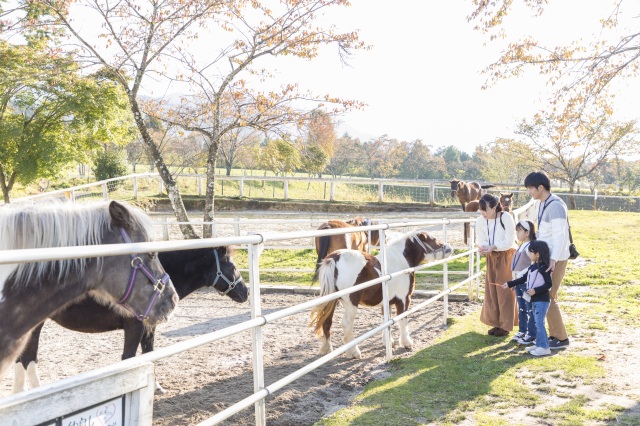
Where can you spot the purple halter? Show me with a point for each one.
(158, 284)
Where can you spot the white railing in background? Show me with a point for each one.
(421, 192)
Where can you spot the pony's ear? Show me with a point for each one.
(120, 215)
(511, 194)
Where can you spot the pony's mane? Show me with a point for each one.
(58, 224)
(395, 249)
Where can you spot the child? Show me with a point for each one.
(538, 283)
(525, 231)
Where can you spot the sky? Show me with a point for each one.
(422, 80)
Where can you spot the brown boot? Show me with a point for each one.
(493, 331)
(500, 333)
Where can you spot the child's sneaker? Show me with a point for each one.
(556, 344)
(527, 340)
(541, 352)
(519, 335)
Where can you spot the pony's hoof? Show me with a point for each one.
(354, 353)
(407, 344)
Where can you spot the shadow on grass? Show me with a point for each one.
(630, 417)
(439, 383)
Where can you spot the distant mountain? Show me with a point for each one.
(342, 128)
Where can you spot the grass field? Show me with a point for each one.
(467, 377)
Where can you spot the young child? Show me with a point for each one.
(525, 231)
(538, 283)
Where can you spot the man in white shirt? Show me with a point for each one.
(553, 228)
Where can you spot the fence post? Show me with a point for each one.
(472, 256)
(236, 226)
(242, 187)
(135, 187)
(332, 190)
(199, 186)
(105, 192)
(432, 195)
(385, 296)
(380, 191)
(165, 229)
(445, 279)
(160, 186)
(256, 335)
(286, 188)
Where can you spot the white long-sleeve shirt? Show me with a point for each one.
(490, 232)
(553, 227)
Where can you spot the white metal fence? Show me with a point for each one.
(421, 192)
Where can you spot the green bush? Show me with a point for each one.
(109, 164)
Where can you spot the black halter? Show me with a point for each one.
(158, 284)
(232, 284)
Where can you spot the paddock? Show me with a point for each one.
(208, 379)
(204, 381)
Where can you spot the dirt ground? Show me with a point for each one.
(203, 381)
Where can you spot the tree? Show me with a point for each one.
(321, 132)
(314, 160)
(51, 115)
(236, 144)
(572, 151)
(228, 87)
(416, 164)
(348, 158)
(280, 156)
(384, 156)
(132, 43)
(580, 73)
(508, 160)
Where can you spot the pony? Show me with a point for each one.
(135, 285)
(506, 201)
(346, 268)
(189, 269)
(467, 191)
(357, 240)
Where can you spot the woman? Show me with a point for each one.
(495, 233)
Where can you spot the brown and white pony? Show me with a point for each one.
(357, 240)
(506, 201)
(345, 268)
(467, 191)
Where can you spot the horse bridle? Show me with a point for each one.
(232, 284)
(137, 264)
(430, 249)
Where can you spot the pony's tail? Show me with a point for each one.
(320, 313)
(487, 186)
(323, 248)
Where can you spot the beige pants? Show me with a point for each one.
(498, 307)
(554, 317)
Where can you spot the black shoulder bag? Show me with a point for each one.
(573, 251)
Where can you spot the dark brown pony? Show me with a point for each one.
(506, 201)
(467, 191)
(357, 240)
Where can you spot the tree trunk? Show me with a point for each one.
(172, 188)
(228, 167)
(209, 200)
(572, 198)
(6, 185)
